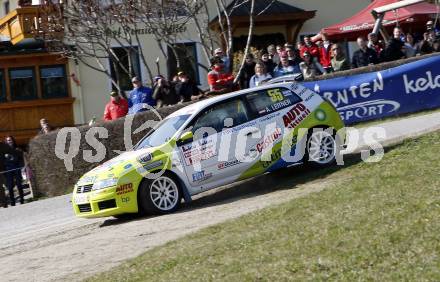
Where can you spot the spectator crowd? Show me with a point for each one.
(143, 98)
(308, 58)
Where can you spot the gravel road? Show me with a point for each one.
(43, 241)
(45, 244)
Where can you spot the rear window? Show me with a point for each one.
(267, 101)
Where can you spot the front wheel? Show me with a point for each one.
(321, 148)
(159, 196)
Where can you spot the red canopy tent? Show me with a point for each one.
(410, 18)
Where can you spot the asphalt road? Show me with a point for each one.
(43, 241)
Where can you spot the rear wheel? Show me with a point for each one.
(321, 148)
(159, 196)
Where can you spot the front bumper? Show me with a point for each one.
(106, 202)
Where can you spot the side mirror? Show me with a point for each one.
(185, 138)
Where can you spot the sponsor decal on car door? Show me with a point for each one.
(242, 152)
(280, 111)
(200, 158)
(219, 126)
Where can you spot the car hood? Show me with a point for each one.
(106, 170)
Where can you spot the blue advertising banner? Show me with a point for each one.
(404, 89)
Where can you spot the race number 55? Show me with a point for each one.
(275, 95)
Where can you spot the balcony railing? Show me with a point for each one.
(29, 22)
(18, 24)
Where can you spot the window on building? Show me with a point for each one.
(22, 83)
(187, 53)
(2, 87)
(6, 7)
(128, 67)
(53, 81)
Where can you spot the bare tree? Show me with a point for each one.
(200, 16)
(249, 39)
(93, 28)
(85, 36)
(165, 21)
(199, 13)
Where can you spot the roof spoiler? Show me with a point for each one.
(287, 78)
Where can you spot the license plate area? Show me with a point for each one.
(81, 199)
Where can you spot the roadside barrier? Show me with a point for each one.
(401, 89)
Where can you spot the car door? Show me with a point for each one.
(209, 156)
(270, 106)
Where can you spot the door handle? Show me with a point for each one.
(250, 133)
(252, 153)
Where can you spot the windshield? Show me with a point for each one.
(163, 132)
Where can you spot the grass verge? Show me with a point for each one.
(381, 222)
(394, 118)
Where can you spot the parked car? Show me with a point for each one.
(211, 143)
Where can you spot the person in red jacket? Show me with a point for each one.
(310, 48)
(219, 81)
(325, 55)
(116, 108)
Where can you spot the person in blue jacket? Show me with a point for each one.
(139, 97)
(286, 67)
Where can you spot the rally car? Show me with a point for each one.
(211, 143)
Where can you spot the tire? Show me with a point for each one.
(321, 147)
(159, 196)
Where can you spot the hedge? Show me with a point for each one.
(51, 177)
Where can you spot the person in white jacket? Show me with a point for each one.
(310, 68)
(260, 76)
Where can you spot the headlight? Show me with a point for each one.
(85, 180)
(145, 158)
(101, 184)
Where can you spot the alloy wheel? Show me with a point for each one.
(321, 147)
(164, 193)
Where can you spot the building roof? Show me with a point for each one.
(268, 7)
(363, 22)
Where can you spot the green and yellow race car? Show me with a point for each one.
(211, 143)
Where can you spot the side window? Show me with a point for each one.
(54, 81)
(2, 87)
(215, 116)
(22, 84)
(271, 100)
